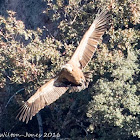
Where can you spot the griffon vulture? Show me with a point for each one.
(71, 74)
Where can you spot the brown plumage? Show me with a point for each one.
(71, 74)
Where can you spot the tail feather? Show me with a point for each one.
(88, 77)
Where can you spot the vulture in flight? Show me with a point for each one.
(71, 75)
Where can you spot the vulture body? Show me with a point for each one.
(71, 74)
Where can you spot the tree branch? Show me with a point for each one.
(13, 96)
(40, 125)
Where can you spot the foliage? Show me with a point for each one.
(109, 108)
(115, 102)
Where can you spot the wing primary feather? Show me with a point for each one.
(91, 38)
(45, 95)
(26, 113)
(23, 112)
(20, 111)
(29, 113)
(32, 111)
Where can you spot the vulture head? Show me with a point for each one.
(67, 67)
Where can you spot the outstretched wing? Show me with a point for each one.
(45, 95)
(90, 40)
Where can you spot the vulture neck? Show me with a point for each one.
(72, 74)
